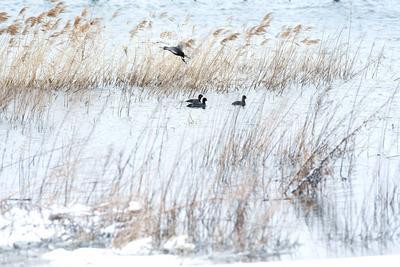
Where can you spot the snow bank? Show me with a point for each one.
(20, 227)
(137, 247)
(25, 227)
(179, 244)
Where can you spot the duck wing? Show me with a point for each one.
(196, 101)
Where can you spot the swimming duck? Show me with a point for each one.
(240, 103)
(194, 100)
(176, 50)
(201, 104)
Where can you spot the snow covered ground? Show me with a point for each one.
(35, 228)
(101, 257)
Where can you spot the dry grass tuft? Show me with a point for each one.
(4, 17)
(13, 29)
(230, 37)
(23, 11)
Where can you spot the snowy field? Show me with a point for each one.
(102, 163)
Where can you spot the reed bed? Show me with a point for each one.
(235, 189)
(46, 52)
